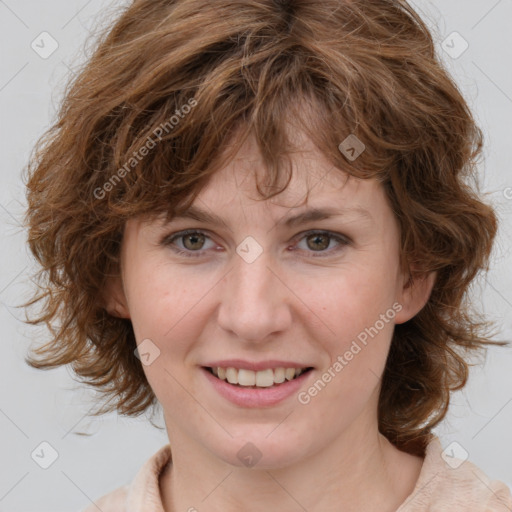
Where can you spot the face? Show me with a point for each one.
(255, 292)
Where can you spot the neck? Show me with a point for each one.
(361, 471)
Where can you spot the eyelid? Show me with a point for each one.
(343, 241)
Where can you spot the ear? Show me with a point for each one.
(114, 298)
(414, 295)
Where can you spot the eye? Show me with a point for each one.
(319, 241)
(192, 243)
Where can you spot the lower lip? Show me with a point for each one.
(256, 397)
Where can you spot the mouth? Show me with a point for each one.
(249, 379)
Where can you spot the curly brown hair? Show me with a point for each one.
(141, 130)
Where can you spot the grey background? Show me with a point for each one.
(37, 406)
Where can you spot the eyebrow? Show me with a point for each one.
(311, 215)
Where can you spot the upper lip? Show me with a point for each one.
(242, 364)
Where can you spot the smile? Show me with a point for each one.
(256, 388)
(257, 379)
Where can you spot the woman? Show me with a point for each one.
(256, 214)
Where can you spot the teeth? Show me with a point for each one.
(279, 375)
(231, 375)
(265, 378)
(262, 379)
(246, 378)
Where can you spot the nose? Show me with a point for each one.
(254, 299)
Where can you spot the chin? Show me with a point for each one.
(259, 450)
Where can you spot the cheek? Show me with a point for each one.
(355, 299)
(359, 310)
(166, 308)
(164, 300)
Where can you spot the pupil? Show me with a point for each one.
(193, 237)
(323, 246)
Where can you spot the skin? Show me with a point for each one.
(327, 455)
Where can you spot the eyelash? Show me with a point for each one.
(169, 239)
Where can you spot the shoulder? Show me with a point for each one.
(447, 483)
(142, 493)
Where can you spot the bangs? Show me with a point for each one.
(171, 158)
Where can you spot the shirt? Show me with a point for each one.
(444, 485)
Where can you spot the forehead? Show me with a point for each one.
(314, 179)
